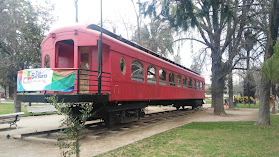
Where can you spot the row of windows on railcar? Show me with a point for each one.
(137, 74)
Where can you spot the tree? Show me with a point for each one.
(138, 14)
(268, 71)
(208, 90)
(21, 32)
(211, 18)
(199, 60)
(73, 125)
(230, 86)
(249, 82)
(249, 86)
(156, 36)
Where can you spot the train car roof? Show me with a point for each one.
(117, 37)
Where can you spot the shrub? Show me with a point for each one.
(240, 99)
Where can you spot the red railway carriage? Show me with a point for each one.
(131, 78)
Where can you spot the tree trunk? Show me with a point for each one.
(7, 91)
(230, 85)
(273, 108)
(217, 97)
(276, 104)
(17, 104)
(264, 111)
(273, 87)
(248, 73)
(5, 88)
(218, 84)
(248, 93)
(12, 90)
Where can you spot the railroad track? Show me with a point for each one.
(98, 130)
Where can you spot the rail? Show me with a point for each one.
(87, 81)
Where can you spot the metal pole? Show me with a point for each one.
(76, 5)
(100, 56)
(78, 81)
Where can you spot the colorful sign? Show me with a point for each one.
(46, 79)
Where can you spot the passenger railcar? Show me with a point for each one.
(132, 77)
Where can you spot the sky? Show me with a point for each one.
(89, 12)
(115, 13)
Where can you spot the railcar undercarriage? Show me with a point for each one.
(111, 112)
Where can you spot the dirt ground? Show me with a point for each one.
(90, 147)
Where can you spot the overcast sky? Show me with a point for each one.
(89, 12)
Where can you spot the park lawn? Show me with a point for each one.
(6, 108)
(208, 101)
(241, 105)
(209, 139)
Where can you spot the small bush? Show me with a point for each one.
(240, 99)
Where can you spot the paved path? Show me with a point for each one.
(21, 148)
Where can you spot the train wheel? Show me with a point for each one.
(111, 119)
(194, 106)
(141, 113)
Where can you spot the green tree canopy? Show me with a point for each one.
(270, 69)
(22, 30)
(249, 85)
(156, 36)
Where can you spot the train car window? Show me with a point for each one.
(178, 80)
(162, 77)
(123, 65)
(190, 83)
(137, 71)
(201, 85)
(198, 85)
(171, 79)
(151, 75)
(184, 82)
(194, 84)
(47, 61)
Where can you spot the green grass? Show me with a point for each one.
(208, 101)
(209, 139)
(241, 105)
(6, 108)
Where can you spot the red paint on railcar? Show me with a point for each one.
(76, 47)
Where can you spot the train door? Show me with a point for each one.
(65, 54)
(84, 66)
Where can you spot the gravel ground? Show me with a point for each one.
(90, 147)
